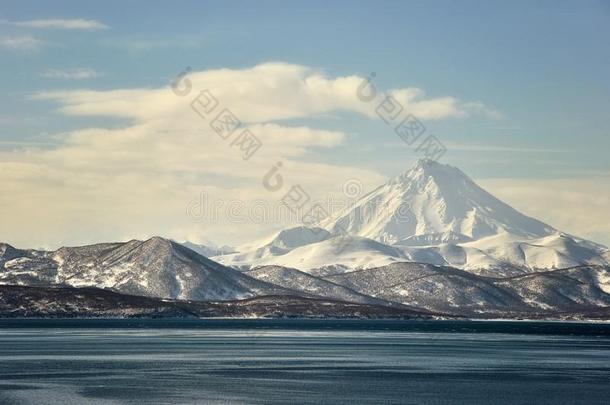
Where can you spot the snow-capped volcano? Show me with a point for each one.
(433, 204)
(432, 213)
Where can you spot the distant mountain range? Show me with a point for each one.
(164, 271)
(429, 243)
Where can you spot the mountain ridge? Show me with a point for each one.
(156, 267)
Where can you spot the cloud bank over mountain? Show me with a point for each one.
(137, 175)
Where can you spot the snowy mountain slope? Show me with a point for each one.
(353, 253)
(506, 254)
(286, 240)
(7, 252)
(450, 290)
(431, 204)
(557, 250)
(571, 289)
(27, 267)
(156, 268)
(296, 280)
(435, 288)
(208, 250)
(432, 213)
(262, 253)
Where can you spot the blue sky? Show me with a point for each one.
(537, 68)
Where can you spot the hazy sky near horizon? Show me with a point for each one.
(95, 146)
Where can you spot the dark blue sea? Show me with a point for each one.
(303, 362)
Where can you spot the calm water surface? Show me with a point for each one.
(295, 361)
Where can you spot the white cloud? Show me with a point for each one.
(108, 184)
(270, 91)
(71, 74)
(479, 108)
(136, 45)
(21, 43)
(65, 24)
